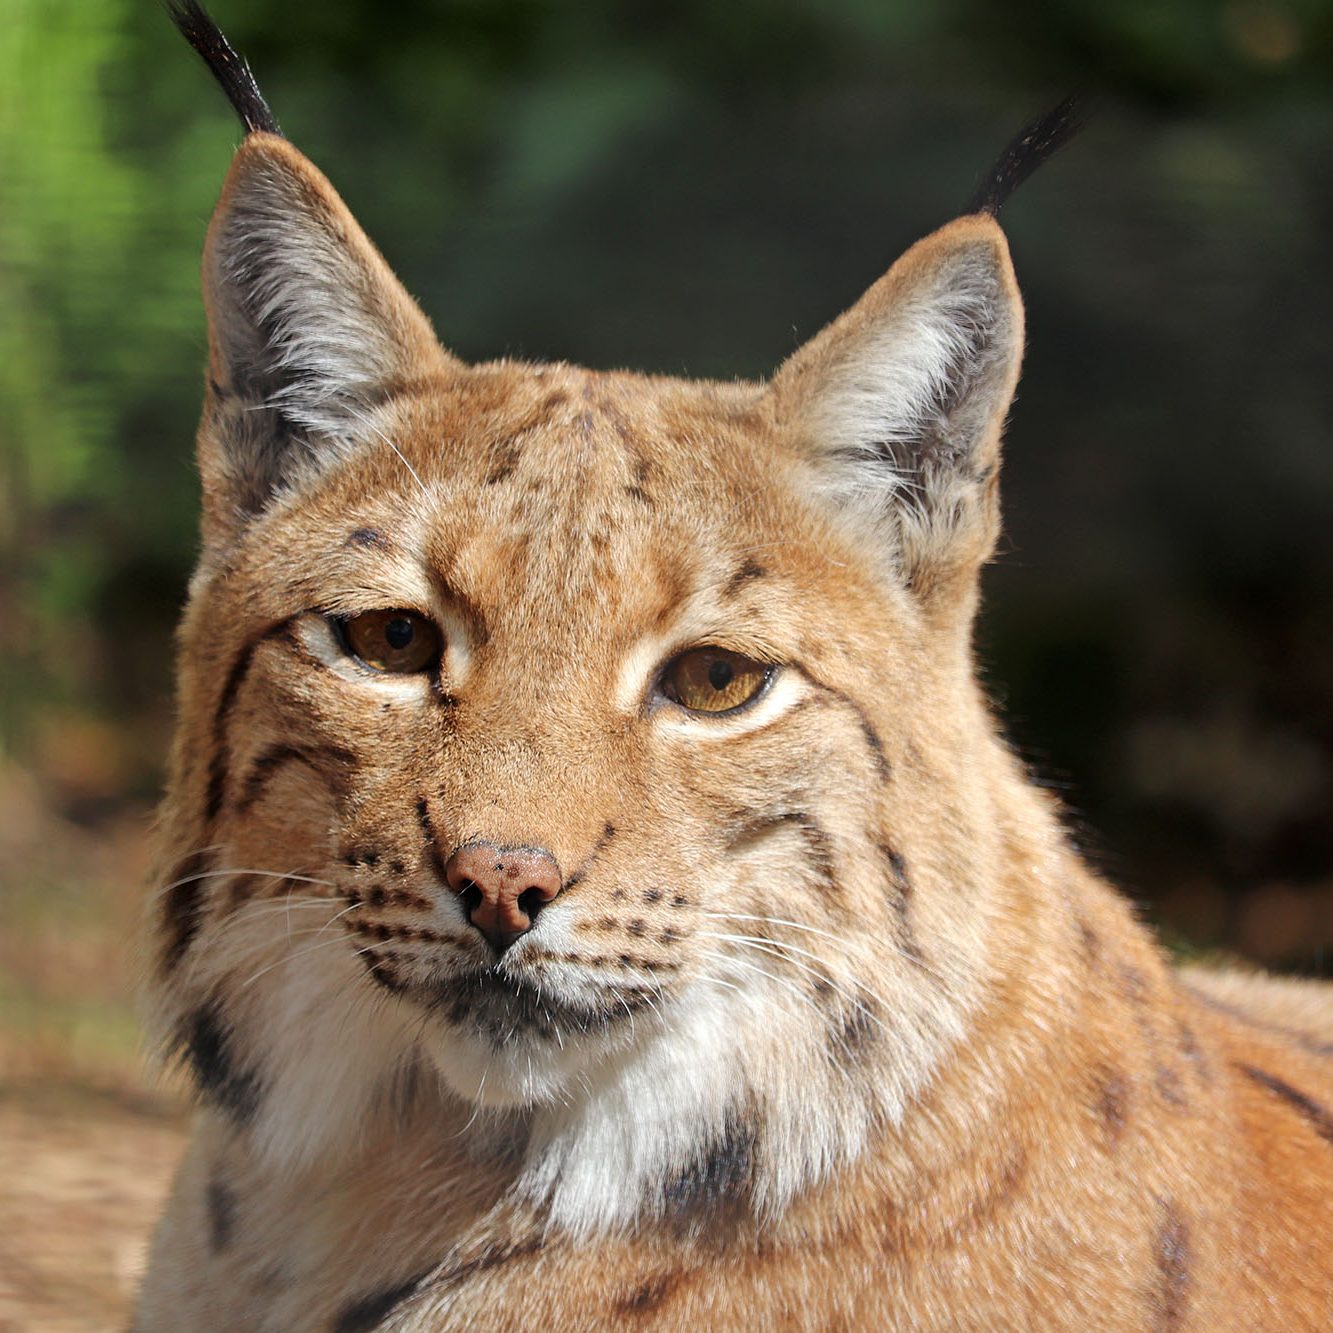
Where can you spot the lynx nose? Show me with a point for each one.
(502, 888)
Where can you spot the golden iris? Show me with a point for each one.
(713, 680)
(398, 641)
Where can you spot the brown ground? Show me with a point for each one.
(88, 1138)
(84, 1175)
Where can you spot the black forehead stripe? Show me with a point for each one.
(369, 537)
(748, 572)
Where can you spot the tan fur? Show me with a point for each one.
(928, 1073)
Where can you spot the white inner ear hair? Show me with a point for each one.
(914, 390)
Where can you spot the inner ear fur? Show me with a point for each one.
(900, 404)
(308, 331)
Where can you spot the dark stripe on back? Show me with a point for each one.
(1313, 1112)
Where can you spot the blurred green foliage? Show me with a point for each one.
(693, 188)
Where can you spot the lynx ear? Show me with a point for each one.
(901, 401)
(308, 330)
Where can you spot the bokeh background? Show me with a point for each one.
(692, 188)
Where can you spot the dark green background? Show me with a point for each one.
(694, 188)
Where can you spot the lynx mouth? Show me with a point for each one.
(501, 1009)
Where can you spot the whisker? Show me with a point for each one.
(294, 957)
(365, 420)
(777, 949)
(238, 870)
(917, 962)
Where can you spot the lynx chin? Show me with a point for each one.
(594, 891)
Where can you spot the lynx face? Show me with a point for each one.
(604, 744)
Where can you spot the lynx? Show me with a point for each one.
(597, 893)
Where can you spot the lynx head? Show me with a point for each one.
(594, 751)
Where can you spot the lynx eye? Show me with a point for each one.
(713, 680)
(396, 641)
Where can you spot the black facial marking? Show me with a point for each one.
(1133, 984)
(382, 971)
(331, 763)
(181, 906)
(872, 738)
(604, 840)
(207, 1045)
(1193, 1052)
(219, 760)
(717, 1178)
(747, 573)
(1169, 1088)
(1173, 1266)
(856, 1030)
(368, 537)
(1112, 1104)
(1091, 942)
(502, 1010)
(1313, 1112)
(818, 843)
(221, 1204)
(900, 899)
(433, 854)
(503, 463)
(369, 1312)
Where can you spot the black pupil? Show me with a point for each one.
(720, 674)
(398, 633)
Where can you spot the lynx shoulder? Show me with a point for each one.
(596, 892)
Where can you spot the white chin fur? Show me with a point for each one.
(526, 1072)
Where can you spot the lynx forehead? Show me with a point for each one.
(595, 889)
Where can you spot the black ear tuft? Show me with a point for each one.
(230, 70)
(1027, 151)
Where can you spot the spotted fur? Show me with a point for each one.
(828, 1025)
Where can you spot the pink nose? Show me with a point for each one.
(502, 888)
